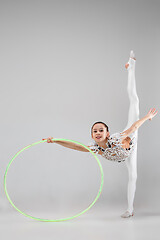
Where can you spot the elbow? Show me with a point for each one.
(134, 127)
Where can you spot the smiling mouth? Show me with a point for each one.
(98, 137)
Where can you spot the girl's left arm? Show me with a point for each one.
(152, 113)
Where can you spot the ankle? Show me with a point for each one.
(130, 211)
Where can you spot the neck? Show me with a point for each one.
(103, 144)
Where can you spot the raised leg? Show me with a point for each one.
(133, 116)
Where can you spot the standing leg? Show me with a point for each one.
(133, 116)
(132, 174)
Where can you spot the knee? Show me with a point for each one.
(133, 177)
(134, 99)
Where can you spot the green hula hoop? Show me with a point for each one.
(62, 219)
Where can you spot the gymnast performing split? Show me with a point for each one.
(119, 147)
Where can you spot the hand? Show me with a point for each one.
(152, 113)
(49, 139)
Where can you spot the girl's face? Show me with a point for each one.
(99, 133)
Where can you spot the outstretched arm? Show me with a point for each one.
(152, 113)
(68, 144)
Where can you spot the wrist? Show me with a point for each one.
(147, 117)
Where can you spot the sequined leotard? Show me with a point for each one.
(114, 150)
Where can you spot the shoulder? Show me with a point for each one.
(115, 136)
(93, 146)
(115, 139)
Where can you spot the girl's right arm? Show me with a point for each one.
(68, 144)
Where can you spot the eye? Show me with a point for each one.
(94, 131)
(101, 130)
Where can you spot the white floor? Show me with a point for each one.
(97, 224)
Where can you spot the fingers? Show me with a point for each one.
(153, 111)
(49, 139)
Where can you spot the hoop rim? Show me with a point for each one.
(60, 219)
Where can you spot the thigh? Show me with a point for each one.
(131, 163)
(133, 114)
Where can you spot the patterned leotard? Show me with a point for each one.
(114, 150)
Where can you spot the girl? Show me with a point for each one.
(120, 146)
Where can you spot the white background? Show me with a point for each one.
(62, 69)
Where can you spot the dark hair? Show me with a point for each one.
(101, 123)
